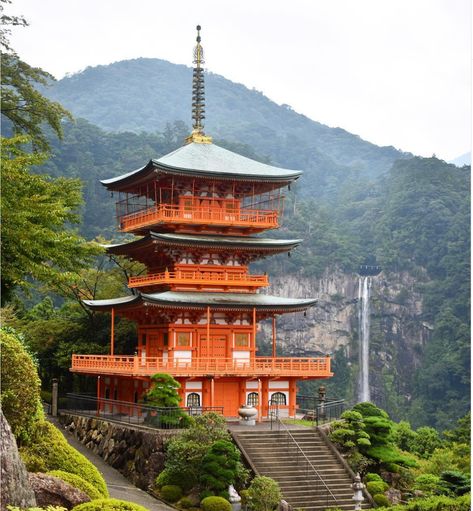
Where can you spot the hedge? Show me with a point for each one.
(49, 444)
(109, 505)
(78, 482)
(215, 504)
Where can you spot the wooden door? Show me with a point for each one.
(227, 395)
(153, 342)
(217, 348)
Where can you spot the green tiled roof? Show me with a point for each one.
(208, 160)
(249, 242)
(201, 300)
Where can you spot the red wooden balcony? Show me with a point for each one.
(195, 278)
(123, 365)
(250, 219)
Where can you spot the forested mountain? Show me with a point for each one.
(145, 94)
(355, 202)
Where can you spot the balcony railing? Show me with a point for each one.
(147, 366)
(194, 278)
(175, 214)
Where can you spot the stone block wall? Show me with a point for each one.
(137, 453)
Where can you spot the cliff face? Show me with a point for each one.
(398, 333)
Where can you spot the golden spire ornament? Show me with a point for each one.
(198, 96)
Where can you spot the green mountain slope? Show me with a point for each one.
(145, 94)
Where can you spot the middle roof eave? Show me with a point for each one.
(242, 242)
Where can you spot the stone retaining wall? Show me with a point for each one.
(137, 453)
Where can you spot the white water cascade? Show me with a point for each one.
(364, 291)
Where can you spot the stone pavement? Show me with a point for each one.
(118, 486)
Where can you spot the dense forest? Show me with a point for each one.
(356, 202)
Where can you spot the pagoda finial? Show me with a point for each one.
(198, 96)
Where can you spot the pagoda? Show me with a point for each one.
(197, 213)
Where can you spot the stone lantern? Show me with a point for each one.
(357, 487)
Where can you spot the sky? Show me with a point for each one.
(394, 72)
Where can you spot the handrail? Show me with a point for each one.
(196, 214)
(129, 364)
(197, 275)
(309, 463)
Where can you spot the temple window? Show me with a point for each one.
(278, 398)
(183, 339)
(242, 340)
(252, 399)
(193, 400)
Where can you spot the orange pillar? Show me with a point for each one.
(212, 392)
(98, 395)
(292, 397)
(254, 328)
(260, 399)
(274, 336)
(112, 333)
(208, 332)
(265, 397)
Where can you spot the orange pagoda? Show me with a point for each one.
(196, 212)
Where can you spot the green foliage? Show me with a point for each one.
(388, 455)
(215, 504)
(36, 211)
(456, 457)
(456, 482)
(437, 503)
(264, 494)
(185, 503)
(367, 409)
(20, 391)
(381, 500)
(77, 482)
(349, 432)
(371, 476)
(425, 442)
(24, 106)
(47, 508)
(461, 434)
(375, 487)
(183, 462)
(403, 435)
(429, 484)
(219, 466)
(171, 493)
(207, 429)
(109, 505)
(167, 477)
(49, 444)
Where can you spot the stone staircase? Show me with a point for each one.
(275, 454)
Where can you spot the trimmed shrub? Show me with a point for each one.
(375, 487)
(78, 482)
(457, 482)
(215, 504)
(429, 484)
(20, 392)
(171, 493)
(371, 476)
(185, 503)
(167, 477)
(219, 466)
(264, 493)
(109, 505)
(381, 500)
(441, 503)
(49, 444)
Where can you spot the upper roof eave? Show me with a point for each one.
(205, 161)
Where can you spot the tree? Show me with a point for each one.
(219, 467)
(22, 104)
(264, 493)
(35, 209)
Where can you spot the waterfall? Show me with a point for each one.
(364, 291)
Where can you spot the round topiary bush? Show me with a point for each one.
(215, 504)
(375, 487)
(49, 444)
(166, 477)
(371, 476)
(171, 492)
(109, 505)
(264, 493)
(185, 503)
(381, 500)
(78, 482)
(20, 393)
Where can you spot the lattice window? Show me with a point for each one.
(193, 400)
(278, 398)
(252, 399)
